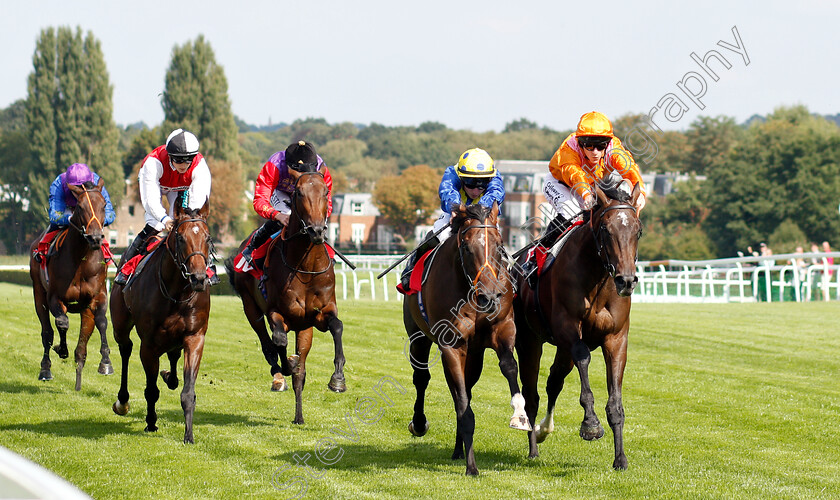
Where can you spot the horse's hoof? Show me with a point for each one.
(168, 379)
(279, 383)
(541, 433)
(297, 421)
(337, 384)
(293, 361)
(591, 433)
(151, 428)
(415, 432)
(62, 351)
(45, 375)
(472, 471)
(120, 409)
(106, 369)
(620, 463)
(520, 423)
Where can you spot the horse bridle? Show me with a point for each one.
(596, 234)
(487, 263)
(182, 263)
(304, 229)
(83, 230)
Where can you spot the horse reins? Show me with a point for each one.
(179, 263)
(84, 230)
(304, 229)
(487, 264)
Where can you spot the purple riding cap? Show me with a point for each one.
(76, 174)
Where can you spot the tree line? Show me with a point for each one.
(772, 179)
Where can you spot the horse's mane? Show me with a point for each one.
(609, 185)
(88, 185)
(191, 213)
(478, 212)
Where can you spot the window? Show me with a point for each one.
(131, 210)
(358, 233)
(523, 184)
(129, 238)
(356, 207)
(112, 237)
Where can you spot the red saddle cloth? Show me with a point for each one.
(258, 258)
(416, 279)
(44, 247)
(129, 267)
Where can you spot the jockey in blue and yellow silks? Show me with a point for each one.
(472, 180)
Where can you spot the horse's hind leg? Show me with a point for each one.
(529, 350)
(80, 355)
(122, 324)
(556, 378)
(47, 333)
(257, 321)
(193, 349)
(336, 328)
(615, 356)
(151, 363)
(62, 324)
(101, 321)
(303, 342)
(590, 428)
(170, 376)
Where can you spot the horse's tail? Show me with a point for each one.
(231, 274)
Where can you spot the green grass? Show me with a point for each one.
(722, 401)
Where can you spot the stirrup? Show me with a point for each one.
(121, 278)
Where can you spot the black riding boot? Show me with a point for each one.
(427, 245)
(136, 246)
(260, 236)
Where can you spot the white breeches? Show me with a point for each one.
(562, 199)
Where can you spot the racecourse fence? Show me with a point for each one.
(778, 278)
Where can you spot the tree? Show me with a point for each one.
(196, 99)
(519, 125)
(408, 199)
(69, 113)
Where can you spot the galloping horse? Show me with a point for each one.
(580, 303)
(468, 266)
(169, 303)
(300, 290)
(74, 282)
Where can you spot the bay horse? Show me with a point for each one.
(74, 282)
(299, 284)
(580, 303)
(169, 304)
(464, 306)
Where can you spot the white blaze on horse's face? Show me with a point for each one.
(624, 220)
(481, 239)
(195, 229)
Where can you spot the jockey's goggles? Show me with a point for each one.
(591, 143)
(304, 167)
(475, 183)
(181, 159)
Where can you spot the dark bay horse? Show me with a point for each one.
(582, 302)
(300, 290)
(467, 302)
(169, 304)
(74, 283)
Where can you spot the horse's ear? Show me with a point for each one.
(637, 190)
(75, 190)
(205, 210)
(603, 200)
(101, 183)
(459, 210)
(494, 211)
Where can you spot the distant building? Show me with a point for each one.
(130, 218)
(356, 222)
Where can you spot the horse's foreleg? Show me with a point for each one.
(47, 333)
(336, 328)
(590, 428)
(615, 356)
(101, 320)
(62, 324)
(193, 349)
(170, 376)
(80, 354)
(257, 321)
(151, 363)
(280, 338)
(418, 352)
(529, 350)
(454, 363)
(303, 342)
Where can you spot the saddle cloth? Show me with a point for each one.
(258, 257)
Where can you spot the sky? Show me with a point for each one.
(474, 65)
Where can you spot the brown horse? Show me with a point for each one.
(464, 307)
(300, 290)
(74, 282)
(169, 303)
(580, 303)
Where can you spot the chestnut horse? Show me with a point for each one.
(74, 282)
(299, 283)
(580, 303)
(169, 304)
(464, 307)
